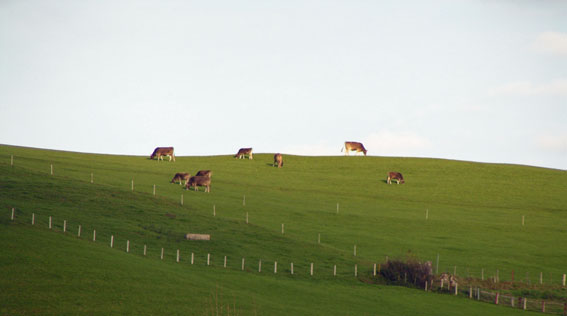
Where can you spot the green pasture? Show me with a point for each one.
(474, 223)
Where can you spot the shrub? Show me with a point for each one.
(408, 271)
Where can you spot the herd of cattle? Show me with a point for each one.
(203, 177)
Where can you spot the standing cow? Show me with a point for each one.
(181, 177)
(395, 176)
(199, 181)
(242, 152)
(278, 159)
(159, 152)
(354, 146)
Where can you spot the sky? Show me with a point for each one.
(482, 80)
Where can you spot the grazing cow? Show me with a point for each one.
(244, 152)
(354, 146)
(395, 176)
(278, 159)
(199, 181)
(181, 177)
(159, 152)
(205, 173)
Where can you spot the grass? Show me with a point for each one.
(475, 212)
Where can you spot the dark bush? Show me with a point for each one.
(408, 271)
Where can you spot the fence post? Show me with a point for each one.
(181, 199)
(374, 273)
(282, 228)
(525, 300)
(64, 226)
(51, 169)
(49, 222)
(11, 160)
(523, 220)
(426, 286)
(275, 267)
(161, 256)
(13, 213)
(292, 268)
(79, 231)
(543, 306)
(92, 178)
(112, 241)
(208, 259)
(246, 217)
(470, 291)
(177, 256)
(33, 218)
(260, 265)
(456, 288)
(94, 235)
(355, 250)
(192, 258)
(496, 299)
(541, 278)
(225, 261)
(145, 249)
(127, 245)
(337, 207)
(214, 210)
(335, 270)
(132, 185)
(564, 277)
(355, 270)
(311, 268)
(242, 264)
(154, 190)
(512, 301)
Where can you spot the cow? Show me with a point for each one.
(199, 181)
(354, 146)
(395, 176)
(181, 177)
(450, 279)
(278, 159)
(159, 152)
(205, 173)
(244, 152)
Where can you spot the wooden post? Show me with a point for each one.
(335, 270)
(275, 267)
(214, 210)
(543, 306)
(242, 264)
(181, 199)
(208, 259)
(355, 270)
(13, 213)
(161, 256)
(33, 218)
(112, 241)
(51, 169)
(92, 177)
(94, 234)
(127, 245)
(355, 250)
(496, 299)
(311, 268)
(282, 229)
(374, 273)
(292, 268)
(246, 217)
(132, 185)
(564, 278)
(525, 300)
(177, 256)
(64, 226)
(145, 249)
(49, 222)
(192, 258)
(260, 265)
(154, 190)
(512, 301)
(225, 261)
(79, 231)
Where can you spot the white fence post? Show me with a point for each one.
(208, 259)
(335, 270)
(33, 218)
(214, 210)
(564, 276)
(94, 234)
(292, 268)
(225, 261)
(127, 245)
(13, 213)
(132, 185)
(145, 249)
(374, 273)
(260, 265)
(177, 256)
(111, 241)
(275, 267)
(192, 258)
(49, 222)
(51, 169)
(242, 264)
(355, 270)
(64, 226)
(79, 231)
(161, 256)
(311, 268)
(154, 190)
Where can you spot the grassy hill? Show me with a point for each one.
(474, 224)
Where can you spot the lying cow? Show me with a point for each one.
(244, 152)
(278, 159)
(181, 177)
(159, 152)
(204, 173)
(199, 181)
(354, 146)
(395, 176)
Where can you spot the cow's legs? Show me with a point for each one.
(389, 180)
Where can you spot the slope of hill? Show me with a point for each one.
(474, 222)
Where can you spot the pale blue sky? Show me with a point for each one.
(472, 80)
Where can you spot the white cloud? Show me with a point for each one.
(526, 88)
(395, 143)
(554, 143)
(553, 43)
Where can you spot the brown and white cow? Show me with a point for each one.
(278, 160)
(199, 181)
(244, 152)
(159, 152)
(395, 176)
(181, 177)
(205, 173)
(354, 146)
